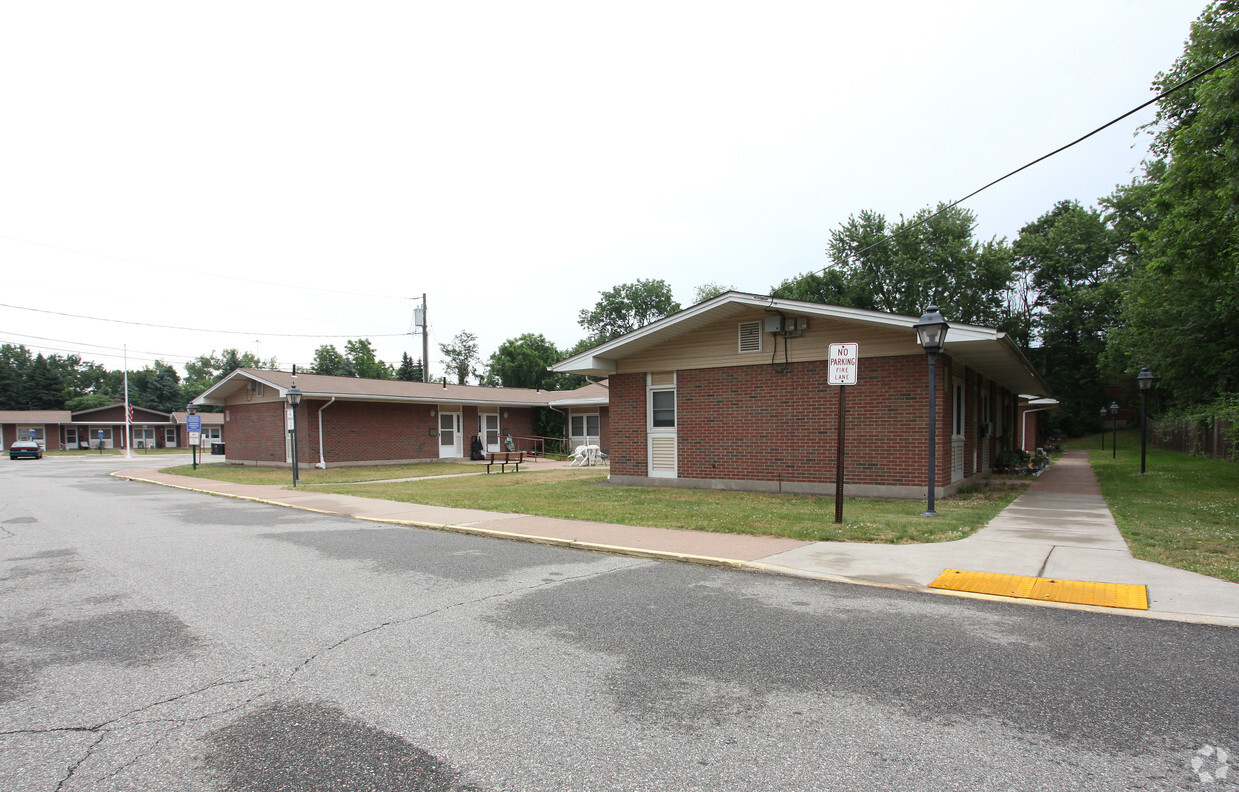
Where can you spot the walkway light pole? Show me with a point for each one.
(931, 334)
(294, 398)
(190, 409)
(1145, 380)
(1114, 438)
(1104, 413)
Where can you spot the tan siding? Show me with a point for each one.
(244, 396)
(715, 346)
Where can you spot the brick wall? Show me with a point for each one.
(353, 431)
(749, 423)
(626, 425)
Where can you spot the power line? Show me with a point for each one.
(203, 330)
(95, 346)
(774, 292)
(213, 274)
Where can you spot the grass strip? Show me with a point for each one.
(1184, 512)
(585, 495)
(248, 474)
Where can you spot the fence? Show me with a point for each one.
(1215, 437)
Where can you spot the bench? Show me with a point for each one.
(505, 458)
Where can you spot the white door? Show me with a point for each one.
(488, 430)
(143, 437)
(449, 435)
(957, 430)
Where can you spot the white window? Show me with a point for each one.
(585, 426)
(750, 337)
(25, 432)
(662, 409)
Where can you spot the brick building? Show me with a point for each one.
(353, 421)
(61, 430)
(731, 394)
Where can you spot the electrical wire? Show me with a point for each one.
(181, 271)
(203, 330)
(1184, 83)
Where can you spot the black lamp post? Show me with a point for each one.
(931, 334)
(1145, 380)
(1104, 413)
(1114, 438)
(190, 409)
(294, 398)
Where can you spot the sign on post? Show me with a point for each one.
(843, 360)
(841, 371)
(193, 424)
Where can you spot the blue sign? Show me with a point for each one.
(100, 434)
(31, 434)
(193, 423)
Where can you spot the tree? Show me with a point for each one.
(626, 308)
(329, 362)
(44, 386)
(205, 370)
(930, 258)
(707, 291)
(1070, 256)
(409, 370)
(524, 362)
(361, 358)
(1180, 305)
(461, 356)
(159, 388)
(1197, 138)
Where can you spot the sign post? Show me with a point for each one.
(842, 372)
(193, 424)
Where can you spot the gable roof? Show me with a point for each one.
(985, 349)
(319, 386)
(595, 394)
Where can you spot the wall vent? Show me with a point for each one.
(750, 337)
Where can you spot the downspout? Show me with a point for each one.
(322, 460)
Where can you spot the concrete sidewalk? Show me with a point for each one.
(1060, 527)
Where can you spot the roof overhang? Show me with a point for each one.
(985, 349)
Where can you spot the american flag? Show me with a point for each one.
(129, 412)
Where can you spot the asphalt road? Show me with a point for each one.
(153, 639)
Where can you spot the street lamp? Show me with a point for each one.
(1104, 413)
(1114, 438)
(931, 334)
(190, 409)
(294, 398)
(1145, 380)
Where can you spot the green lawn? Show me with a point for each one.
(1184, 512)
(584, 495)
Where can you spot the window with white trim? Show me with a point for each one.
(662, 409)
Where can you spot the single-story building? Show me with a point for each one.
(586, 415)
(38, 425)
(732, 393)
(353, 421)
(60, 430)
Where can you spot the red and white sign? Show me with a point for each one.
(843, 361)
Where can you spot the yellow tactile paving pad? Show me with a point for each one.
(1079, 592)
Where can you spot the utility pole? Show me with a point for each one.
(419, 319)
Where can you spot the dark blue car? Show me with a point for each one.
(25, 448)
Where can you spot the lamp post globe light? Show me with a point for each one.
(1104, 413)
(190, 409)
(294, 398)
(1114, 437)
(931, 335)
(1145, 380)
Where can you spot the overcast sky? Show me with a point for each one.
(311, 168)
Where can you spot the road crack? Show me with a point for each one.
(453, 606)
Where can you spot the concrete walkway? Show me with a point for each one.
(1060, 527)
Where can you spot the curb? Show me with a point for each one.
(726, 563)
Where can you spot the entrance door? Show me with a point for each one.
(957, 430)
(488, 430)
(449, 435)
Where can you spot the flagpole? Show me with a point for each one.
(128, 414)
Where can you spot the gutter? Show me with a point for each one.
(322, 460)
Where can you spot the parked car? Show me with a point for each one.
(25, 448)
